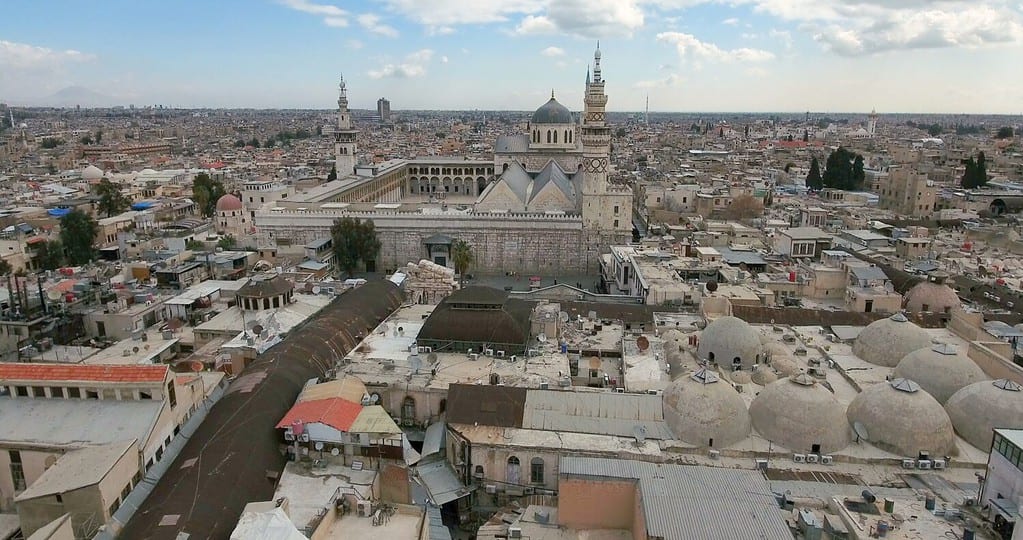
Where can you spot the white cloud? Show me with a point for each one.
(585, 18)
(689, 47)
(30, 57)
(539, 24)
(731, 21)
(784, 36)
(332, 15)
(432, 30)
(443, 59)
(455, 12)
(553, 51)
(414, 65)
(371, 22)
(671, 80)
(354, 44)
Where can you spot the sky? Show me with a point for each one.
(914, 56)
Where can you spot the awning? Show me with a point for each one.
(434, 440)
(441, 482)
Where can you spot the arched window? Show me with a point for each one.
(478, 471)
(408, 409)
(512, 473)
(536, 470)
(548, 136)
(555, 136)
(566, 136)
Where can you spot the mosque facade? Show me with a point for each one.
(545, 204)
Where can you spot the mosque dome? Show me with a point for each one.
(704, 411)
(800, 414)
(980, 407)
(552, 112)
(730, 342)
(899, 417)
(228, 203)
(940, 370)
(886, 341)
(92, 172)
(933, 296)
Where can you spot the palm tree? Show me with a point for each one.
(462, 258)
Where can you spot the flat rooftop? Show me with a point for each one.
(310, 490)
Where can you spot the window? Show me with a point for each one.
(512, 472)
(408, 409)
(56, 391)
(616, 208)
(17, 471)
(60, 498)
(536, 470)
(172, 395)
(74, 392)
(21, 391)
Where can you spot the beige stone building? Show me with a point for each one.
(908, 192)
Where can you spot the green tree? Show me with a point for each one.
(86, 140)
(206, 192)
(5, 267)
(239, 144)
(813, 179)
(111, 200)
(462, 257)
(1004, 133)
(99, 136)
(194, 245)
(839, 172)
(48, 255)
(254, 142)
(227, 242)
(858, 175)
(975, 175)
(50, 142)
(352, 241)
(77, 234)
(934, 130)
(333, 173)
(981, 170)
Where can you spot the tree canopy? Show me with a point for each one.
(1004, 133)
(5, 267)
(462, 257)
(814, 182)
(844, 170)
(745, 207)
(206, 192)
(77, 234)
(975, 175)
(111, 200)
(48, 255)
(333, 173)
(353, 240)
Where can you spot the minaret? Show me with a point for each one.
(646, 112)
(596, 138)
(872, 122)
(345, 147)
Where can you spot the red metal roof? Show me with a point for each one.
(12, 371)
(335, 412)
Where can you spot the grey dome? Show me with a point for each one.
(92, 172)
(902, 419)
(983, 406)
(552, 112)
(932, 297)
(940, 370)
(764, 376)
(886, 341)
(698, 407)
(798, 413)
(784, 365)
(728, 338)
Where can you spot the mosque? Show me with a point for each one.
(543, 205)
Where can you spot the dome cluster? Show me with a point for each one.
(731, 343)
(704, 411)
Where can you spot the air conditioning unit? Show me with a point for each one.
(514, 358)
(500, 354)
(488, 352)
(289, 437)
(514, 532)
(474, 356)
(425, 349)
(532, 352)
(827, 460)
(799, 458)
(620, 390)
(491, 488)
(364, 508)
(304, 437)
(924, 464)
(812, 458)
(762, 464)
(938, 463)
(715, 454)
(909, 464)
(545, 386)
(527, 491)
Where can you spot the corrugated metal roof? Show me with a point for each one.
(603, 413)
(374, 419)
(438, 531)
(440, 481)
(349, 388)
(485, 405)
(434, 440)
(681, 502)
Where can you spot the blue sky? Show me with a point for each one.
(687, 55)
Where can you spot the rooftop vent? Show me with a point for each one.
(947, 349)
(899, 317)
(1007, 385)
(904, 385)
(705, 376)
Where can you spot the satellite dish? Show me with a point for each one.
(134, 349)
(541, 338)
(257, 329)
(861, 431)
(53, 295)
(318, 445)
(374, 398)
(563, 317)
(335, 452)
(643, 343)
(316, 289)
(196, 366)
(639, 432)
(432, 358)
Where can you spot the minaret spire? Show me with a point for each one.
(345, 145)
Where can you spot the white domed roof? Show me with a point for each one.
(797, 413)
(886, 341)
(729, 338)
(901, 418)
(228, 203)
(92, 172)
(940, 370)
(698, 407)
(932, 297)
(983, 406)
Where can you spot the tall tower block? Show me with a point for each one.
(345, 147)
(872, 122)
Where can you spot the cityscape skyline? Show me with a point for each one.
(698, 55)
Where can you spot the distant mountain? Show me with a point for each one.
(78, 95)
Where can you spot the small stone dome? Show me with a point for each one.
(740, 377)
(979, 408)
(797, 413)
(552, 112)
(903, 419)
(784, 365)
(92, 172)
(730, 342)
(932, 296)
(886, 341)
(228, 203)
(940, 370)
(704, 411)
(764, 376)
